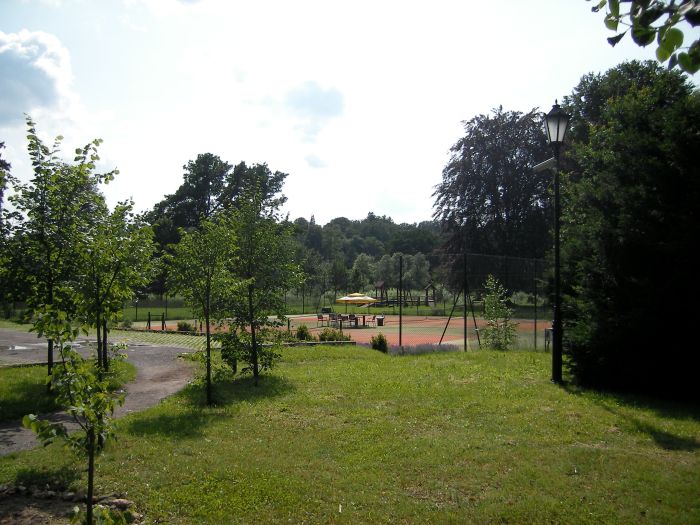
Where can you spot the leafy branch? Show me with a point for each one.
(650, 20)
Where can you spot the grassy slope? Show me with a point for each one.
(348, 435)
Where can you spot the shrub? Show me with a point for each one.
(500, 331)
(303, 333)
(126, 323)
(184, 326)
(331, 334)
(380, 343)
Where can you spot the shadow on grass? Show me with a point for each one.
(189, 420)
(57, 479)
(27, 397)
(663, 408)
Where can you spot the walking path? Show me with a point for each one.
(159, 374)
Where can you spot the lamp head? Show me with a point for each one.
(556, 124)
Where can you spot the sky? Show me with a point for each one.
(359, 103)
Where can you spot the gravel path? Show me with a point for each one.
(159, 374)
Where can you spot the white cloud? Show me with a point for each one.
(35, 76)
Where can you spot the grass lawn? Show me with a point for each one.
(349, 435)
(23, 389)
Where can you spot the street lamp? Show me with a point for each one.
(556, 124)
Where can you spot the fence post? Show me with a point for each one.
(148, 323)
(162, 321)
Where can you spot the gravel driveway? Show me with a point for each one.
(159, 374)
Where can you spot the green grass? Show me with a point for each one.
(350, 435)
(23, 389)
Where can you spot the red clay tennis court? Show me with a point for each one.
(416, 330)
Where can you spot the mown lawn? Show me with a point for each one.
(23, 389)
(349, 435)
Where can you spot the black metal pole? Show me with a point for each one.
(464, 287)
(557, 326)
(401, 301)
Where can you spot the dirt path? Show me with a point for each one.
(159, 374)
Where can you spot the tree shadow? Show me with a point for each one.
(57, 479)
(663, 408)
(27, 397)
(188, 422)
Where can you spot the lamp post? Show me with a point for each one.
(556, 124)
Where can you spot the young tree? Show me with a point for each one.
(85, 397)
(200, 271)
(56, 207)
(640, 20)
(490, 201)
(265, 263)
(115, 260)
(500, 331)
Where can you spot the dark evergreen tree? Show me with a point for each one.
(630, 229)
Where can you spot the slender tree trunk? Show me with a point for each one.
(105, 355)
(91, 474)
(98, 326)
(206, 320)
(252, 336)
(49, 346)
(50, 361)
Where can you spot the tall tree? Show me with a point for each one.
(265, 261)
(649, 20)
(489, 200)
(199, 196)
(55, 207)
(629, 230)
(201, 273)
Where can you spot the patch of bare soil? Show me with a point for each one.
(21, 510)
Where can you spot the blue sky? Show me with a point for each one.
(358, 102)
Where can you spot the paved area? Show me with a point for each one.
(159, 374)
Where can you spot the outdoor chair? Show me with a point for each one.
(320, 319)
(372, 321)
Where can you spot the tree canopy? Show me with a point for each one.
(489, 200)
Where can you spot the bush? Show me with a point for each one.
(500, 331)
(184, 326)
(331, 334)
(303, 333)
(126, 323)
(380, 343)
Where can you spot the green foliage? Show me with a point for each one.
(379, 342)
(184, 326)
(332, 334)
(303, 333)
(238, 346)
(628, 231)
(102, 516)
(645, 22)
(500, 332)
